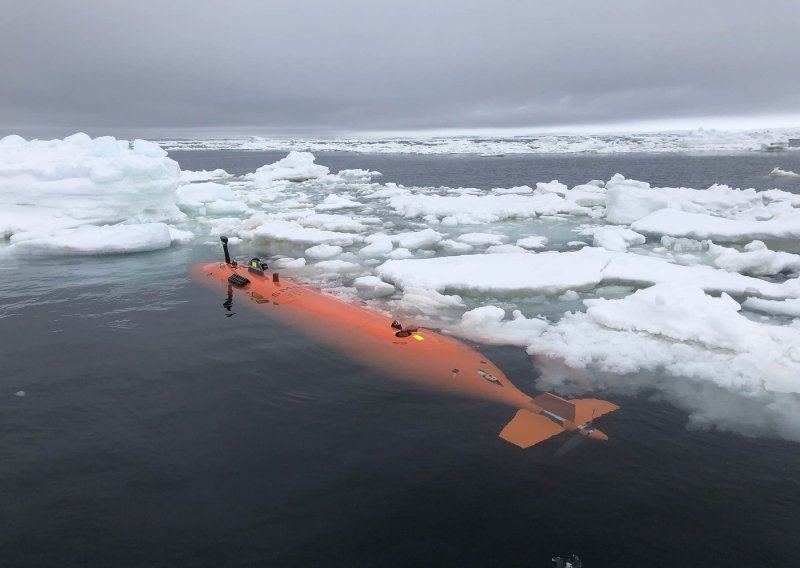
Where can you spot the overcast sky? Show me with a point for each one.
(330, 67)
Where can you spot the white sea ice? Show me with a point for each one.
(533, 242)
(520, 190)
(209, 198)
(505, 249)
(556, 272)
(756, 259)
(523, 273)
(481, 239)
(615, 238)
(94, 240)
(322, 252)
(290, 231)
(59, 184)
(789, 307)
(628, 200)
(357, 175)
(333, 202)
(189, 176)
(677, 223)
(337, 267)
(295, 167)
(454, 247)
(373, 287)
(428, 301)
(289, 262)
(377, 245)
(488, 324)
(329, 222)
(777, 172)
(417, 239)
(475, 209)
(182, 237)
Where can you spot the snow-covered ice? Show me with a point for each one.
(91, 240)
(699, 140)
(61, 184)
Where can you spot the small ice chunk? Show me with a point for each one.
(288, 262)
(321, 252)
(195, 195)
(429, 301)
(203, 175)
(518, 190)
(417, 239)
(702, 226)
(777, 172)
(682, 245)
(756, 259)
(180, 237)
(337, 266)
(333, 202)
(358, 175)
(789, 307)
(505, 249)
(616, 238)
(569, 296)
(290, 231)
(295, 167)
(373, 287)
(378, 245)
(532, 242)
(481, 239)
(401, 253)
(454, 247)
(20, 393)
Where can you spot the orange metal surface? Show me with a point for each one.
(428, 358)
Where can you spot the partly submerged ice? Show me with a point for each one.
(689, 292)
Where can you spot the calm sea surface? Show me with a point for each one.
(155, 431)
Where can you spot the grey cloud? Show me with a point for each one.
(321, 67)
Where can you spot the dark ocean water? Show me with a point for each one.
(155, 431)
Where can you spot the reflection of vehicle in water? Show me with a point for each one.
(420, 355)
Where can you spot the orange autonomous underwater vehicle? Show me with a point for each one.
(420, 355)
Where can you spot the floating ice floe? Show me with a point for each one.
(290, 231)
(94, 240)
(60, 184)
(614, 238)
(209, 198)
(189, 176)
(700, 140)
(677, 223)
(777, 172)
(556, 272)
(474, 209)
(296, 167)
(756, 259)
(373, 287)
